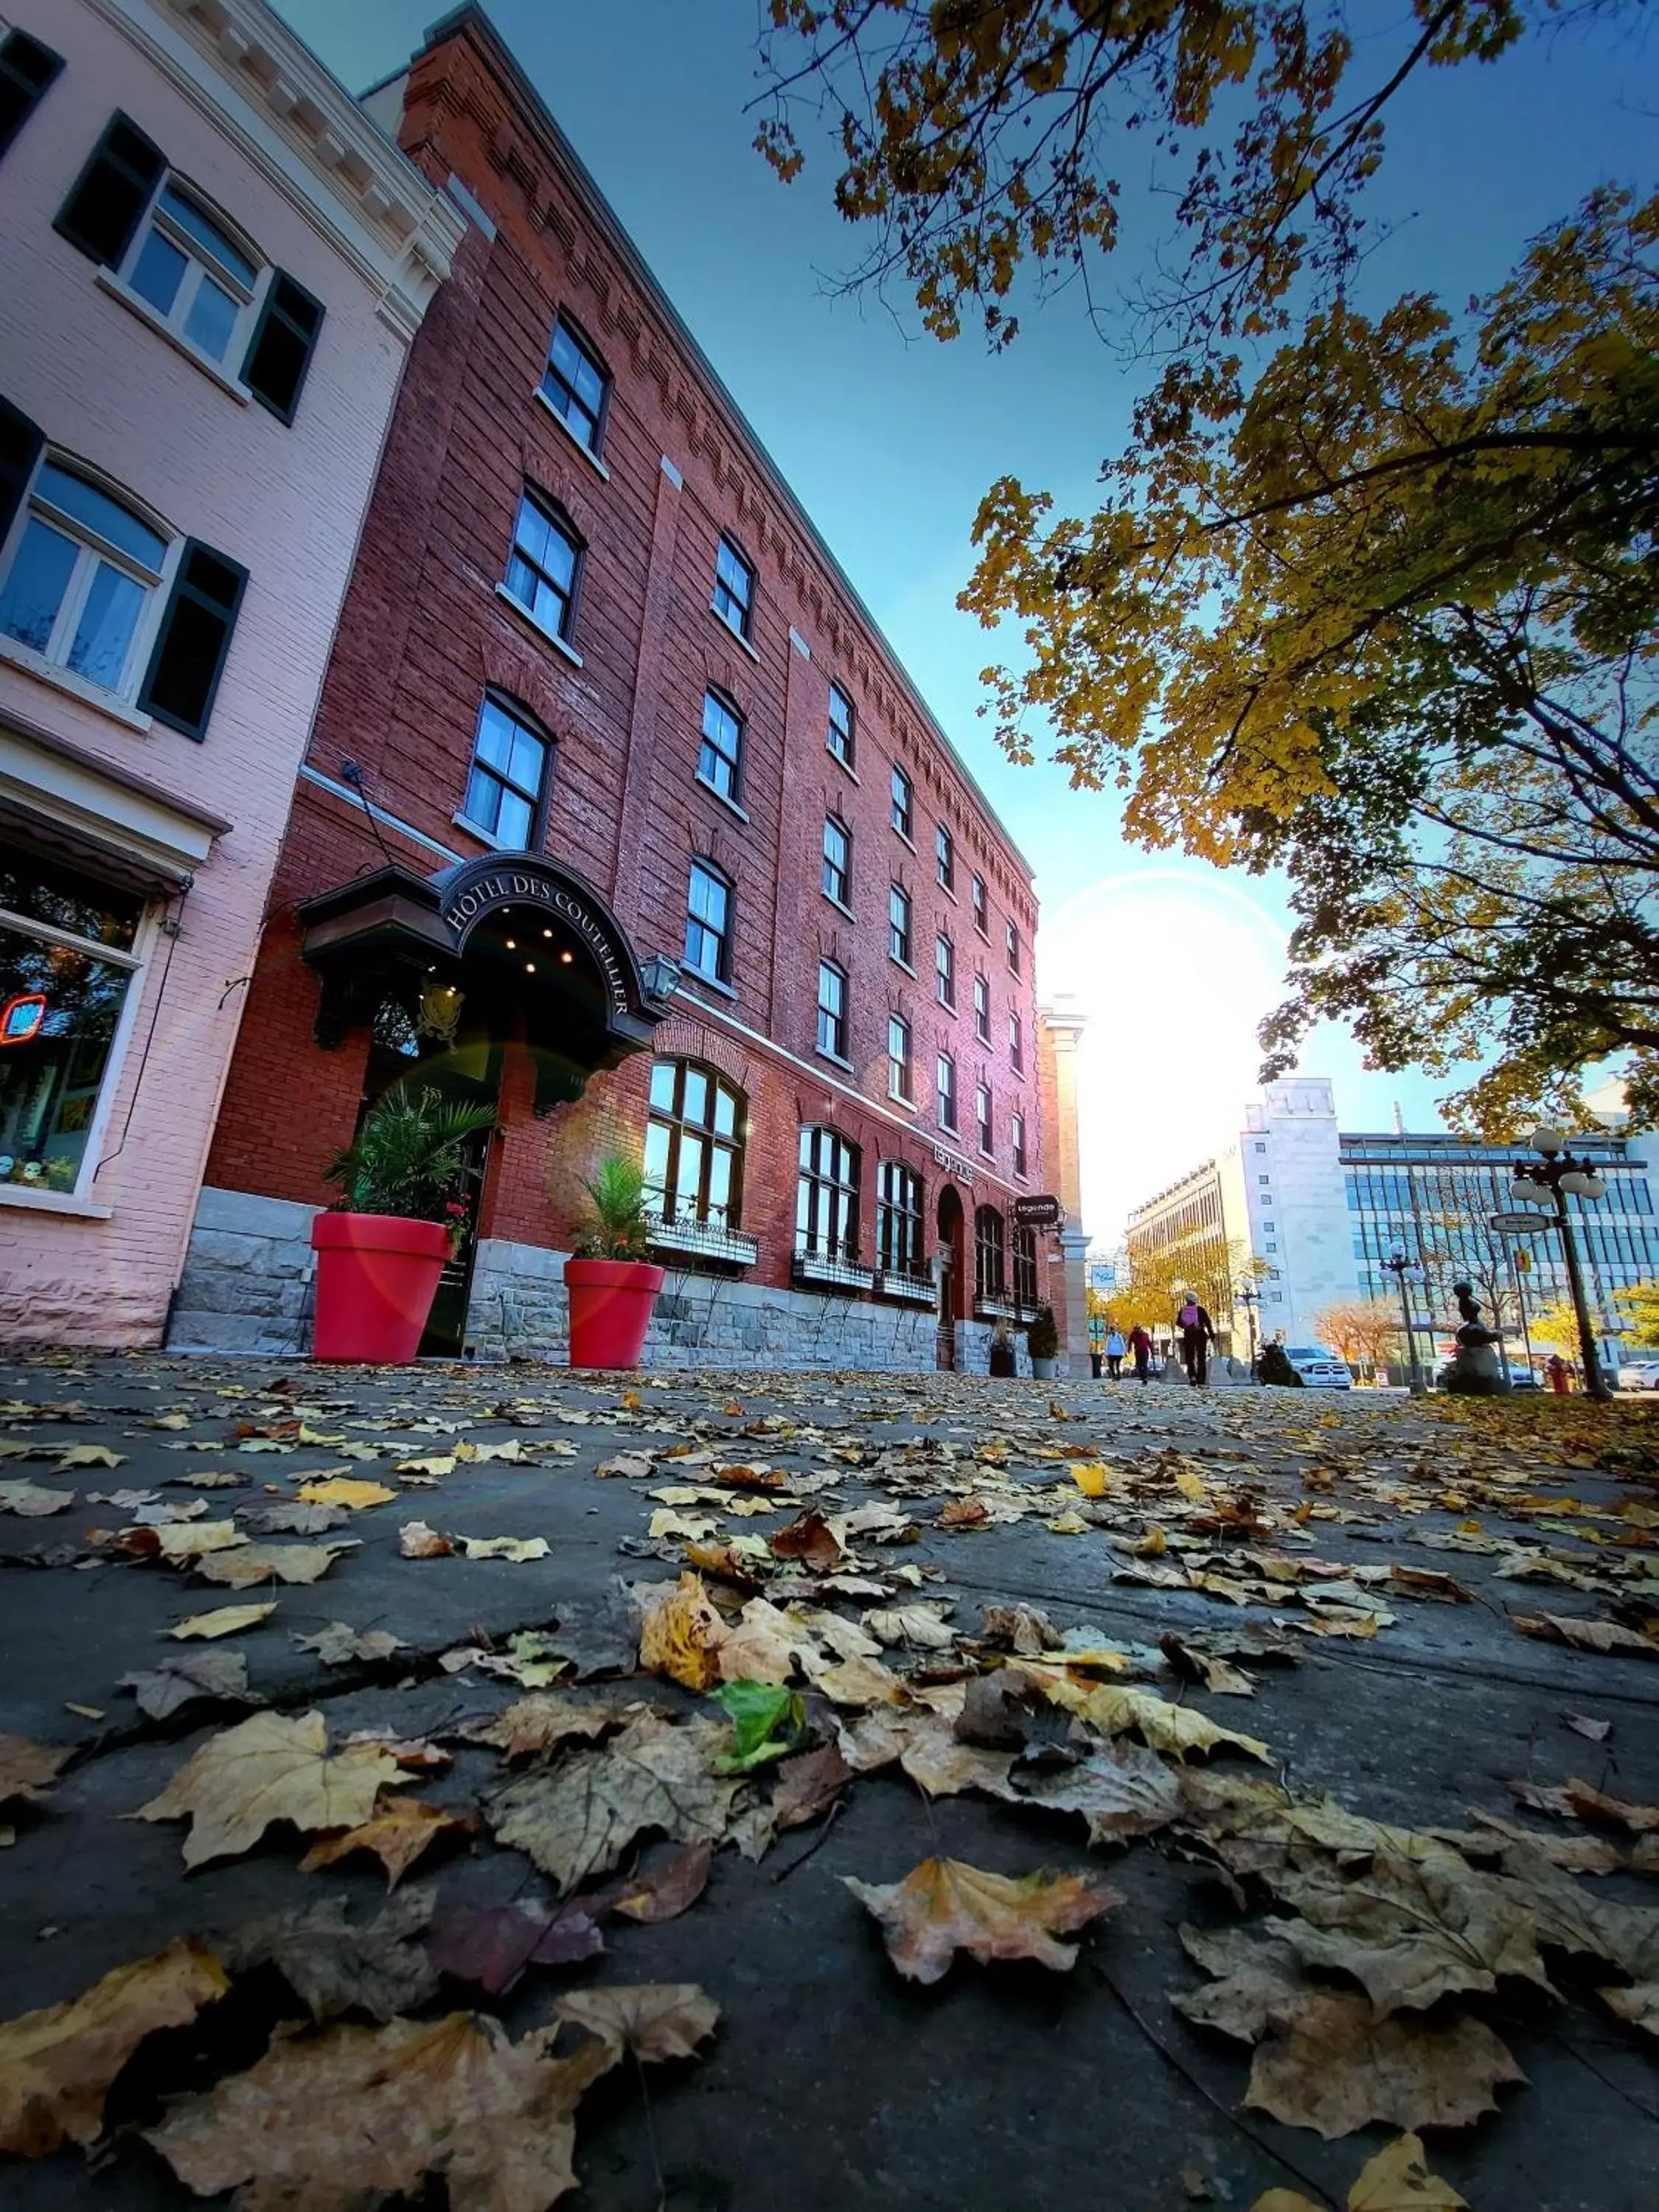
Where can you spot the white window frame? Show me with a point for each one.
(201, 263)
(50, 660)
(901, 1072)
(136, 962)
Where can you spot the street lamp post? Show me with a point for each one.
(1249, 1297)
(1552, 1178)
(1397, 1265)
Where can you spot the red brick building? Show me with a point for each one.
(603, 707)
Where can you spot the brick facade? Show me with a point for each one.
(426, 631)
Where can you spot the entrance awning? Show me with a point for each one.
(523, 943)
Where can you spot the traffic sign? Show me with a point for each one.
(1519, 1223)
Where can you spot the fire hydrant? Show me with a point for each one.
(1560, 1379)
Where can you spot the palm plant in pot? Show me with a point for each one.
(1042, 1342)
(612, 1286)
(400, 1215)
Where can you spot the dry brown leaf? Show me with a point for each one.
(415, 1540)
(269, 1769)
(808, 1784)
(339, 1644)
(1638, 2005)
(580, 1818)
(922, 1626)
(340, 2121)
(33, 1499)
(666, 1890)
(1577, 1800)
(518, 1549)
(27, 1769)
(761, 1646)
(222, 1620)
(162, 1690)
(651, 2020)
(858, 1682)
(341, 1489)
(335, 1964)
(1604, 1635)
(1121, 1789)
(399, 1831)
(945, 1905)
(1114, 1710)
(681, 1633)
(259, 1563)
(537, 1723)
(55, 2065)
(189, 1540)
(934, 1758)
(964, 1513)
(809, 1539)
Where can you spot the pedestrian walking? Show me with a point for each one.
(1141, 1345)
(1197, 1335)
(1114, 1354)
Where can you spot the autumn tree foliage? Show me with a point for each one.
(1362, 1331)
(1370, 597)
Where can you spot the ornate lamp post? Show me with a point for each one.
(1249, 1297)
(1398, 1266)
(1549, 1180)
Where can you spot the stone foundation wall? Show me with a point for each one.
(247, 1287)
(248, 1278)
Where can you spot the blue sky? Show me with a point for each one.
(889, 439)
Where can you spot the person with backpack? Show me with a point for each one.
(1141, 1345)
(1197, 1335)
(1114, 1353)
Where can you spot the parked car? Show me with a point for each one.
(1317, 1369)
(1639, 1375)
(1522, 1378)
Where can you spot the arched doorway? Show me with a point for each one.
(952, 1272)
(450, 973)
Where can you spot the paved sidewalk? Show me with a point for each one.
(1352, 1561)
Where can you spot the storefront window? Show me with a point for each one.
(65, 968)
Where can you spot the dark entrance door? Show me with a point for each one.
(950, 1235)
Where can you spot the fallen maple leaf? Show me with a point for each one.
(257, 1563)
(964, 1513)
(1638, 2005)
(492, 1945)
(416, 1541)
(809, 1539)
(27, 1769)
(808, 1784)
(519, 1549)
(1121, 1789)
(762, 1645)
(162, 1690)
(650, 2020)
(667, 1889)
(579, 1819)
(681, 1633)
(1396, 2180)
(537, 1723)
(337, 1644)
(354, 2116)
(922, 1626)
(1166, 1727)
(55, 2065)
(341, 1489)
(90, 1455)
(222, 1620)
(947, 1905)
(33, 1499)
(399, 1831)
(1605, 1636)
(188, 1540)
(335, 1964)
(269, 1769)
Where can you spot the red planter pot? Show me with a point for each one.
(377, 1275)
(610, 1303)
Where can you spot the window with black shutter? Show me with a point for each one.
(20, 446)
(112, 192)
(283, 341)
(27, 72)
(193, 639)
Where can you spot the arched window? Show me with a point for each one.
(989, 1276)
(827, 1196)
(194, 270)
(82, 571)
(694, 1144)
(898, 1221)
(1025, 1272)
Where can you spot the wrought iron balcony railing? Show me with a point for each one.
(708, 1240)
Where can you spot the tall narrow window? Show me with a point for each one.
(945, 858)
(837, 861)
(719, 757)
(827, 1196)
(982, 915)
(1016, 1138)
(898, 924)
(989, 1279)
(1013, 948)
(694, 1141)
(982, 1115)
(945, 970)
(1025, 1272)
(541, 569)
(832, 1010)
(81, 577)
(898, 1058)
(842, 737)
(981, 1010)
(576, 385)
(708, 922)
(898, 1222)
(902, 802)
(1016, 1044)
(505, 789)
(27, 70)
(734, 589)
(945, 1083)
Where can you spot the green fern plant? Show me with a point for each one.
(616, 1224)
(410, 1156)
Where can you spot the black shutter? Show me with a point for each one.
(112, 192)
(193, 639)
(280, 352)
(27, 72)
(20, 442)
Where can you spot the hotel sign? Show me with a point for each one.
(528, 884)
